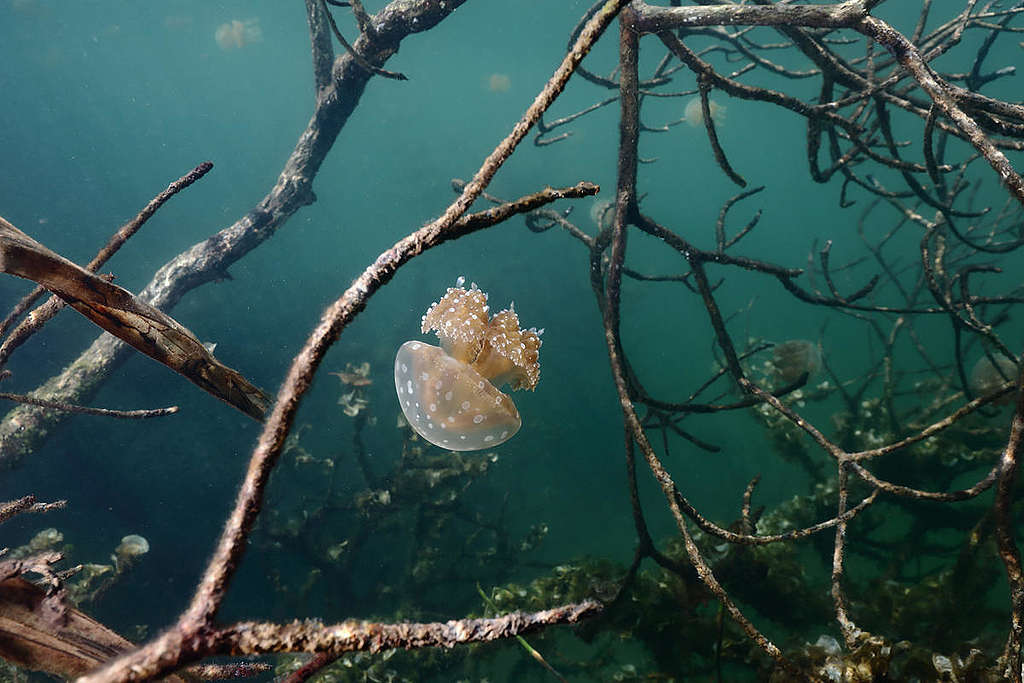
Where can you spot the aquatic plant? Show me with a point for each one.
(904, 508)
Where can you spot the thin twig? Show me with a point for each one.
(85, 410)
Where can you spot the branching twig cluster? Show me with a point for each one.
(901, 422)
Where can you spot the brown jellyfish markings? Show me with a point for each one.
(451, 395)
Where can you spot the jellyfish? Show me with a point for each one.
(694, 114)
(987, 377)
(601, 212)
(451, 395)
(237, 34)
(131, 548)
(795, 357)
(499, 83)
(132, 545)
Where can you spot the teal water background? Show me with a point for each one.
(106, 103)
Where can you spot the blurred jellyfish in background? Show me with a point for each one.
(795, 357)
(987, 377)
(236, 34)
(601, 212)
(694, 114)
(499, 83)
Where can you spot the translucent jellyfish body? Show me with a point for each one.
(795, 357)
(694, 112)
(987, 377)
(237, 34)
(132, 545)
(451, 395)
(131, 548)
(499, 83)
(602, 212)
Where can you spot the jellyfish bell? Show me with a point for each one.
(451, 395)
(987, 377)
(694, 113)
(132, 546)
(795, 357)
(601, 212)
(499, 82)
(450, 404)
(229, 35)
(236, 34)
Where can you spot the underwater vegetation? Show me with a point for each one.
(817, 445)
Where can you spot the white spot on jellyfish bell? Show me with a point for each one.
(477, 413)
